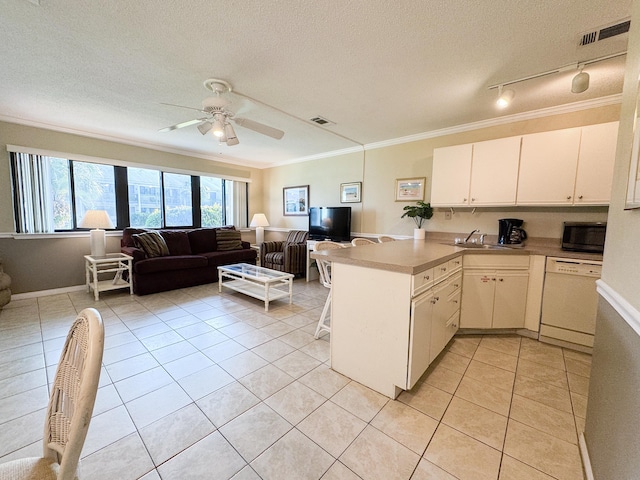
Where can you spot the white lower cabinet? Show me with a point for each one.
(434, 320)
(494, 297)
(420, 336)
(446, 313)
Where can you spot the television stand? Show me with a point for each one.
(312, 268)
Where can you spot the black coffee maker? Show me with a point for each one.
(510, 231)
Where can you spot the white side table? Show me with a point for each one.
(112, 265)
(256, 247)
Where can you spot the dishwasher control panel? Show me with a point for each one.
(568, 266)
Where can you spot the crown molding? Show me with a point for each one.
(124, 141)
(517, 117)
(543, 112)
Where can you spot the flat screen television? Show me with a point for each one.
(330, 223)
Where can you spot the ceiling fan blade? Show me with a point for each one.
(182, 125)
(182, 106)
(260, 128)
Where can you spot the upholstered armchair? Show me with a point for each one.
(288, 256)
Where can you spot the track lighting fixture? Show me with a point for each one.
(504, 97)
(580, 82)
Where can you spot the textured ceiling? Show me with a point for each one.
(379, 70)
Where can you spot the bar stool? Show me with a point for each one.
(324, 268)
(361, 241)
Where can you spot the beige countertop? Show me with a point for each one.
(414, 256)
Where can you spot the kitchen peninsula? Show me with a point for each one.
(396, 305)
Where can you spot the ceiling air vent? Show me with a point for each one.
(605, 32)
(321, 120)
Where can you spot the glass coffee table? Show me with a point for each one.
(257, 282)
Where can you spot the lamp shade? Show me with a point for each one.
(96, 219)
(259, 220)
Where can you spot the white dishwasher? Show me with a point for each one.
(570, 300)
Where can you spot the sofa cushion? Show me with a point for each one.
(177, 241)
(217, 259)
(127, 236)
(228, 240)
(164, 264)
(152, 243)
(202, 240)
(274, 258)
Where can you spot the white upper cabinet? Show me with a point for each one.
(451, 176)
(595, 164)
(494, 172)
(573, 166)
(548, 163)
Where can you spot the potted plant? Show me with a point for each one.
(419, 212)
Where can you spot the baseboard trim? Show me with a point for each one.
(628, 312)
(584, 454)
(45, 293)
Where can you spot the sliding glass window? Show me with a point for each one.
(178, 205)
(53, 194)
(211, 201)
(145, 198)
(94, 189)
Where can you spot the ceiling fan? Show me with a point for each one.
(218, 117)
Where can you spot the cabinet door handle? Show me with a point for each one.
(444, 269)
(569, 197)
(501, 279)
(456, 285)
(455, 301)
(580, 197)
(473, 199)
(493, 279)
(426, 277)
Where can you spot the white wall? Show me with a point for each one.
(379, 168)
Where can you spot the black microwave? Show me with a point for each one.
(584, 236)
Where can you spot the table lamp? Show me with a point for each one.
(98, 220)
(259, 221)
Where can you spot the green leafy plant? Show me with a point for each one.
(419, 212)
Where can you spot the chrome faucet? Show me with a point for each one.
(471, 235)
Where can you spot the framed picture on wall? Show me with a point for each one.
(410, 189)
(295, 200)
(350, 192)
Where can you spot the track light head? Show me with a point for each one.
(580, 82)
(504, 97)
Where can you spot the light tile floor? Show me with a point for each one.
(197, 385)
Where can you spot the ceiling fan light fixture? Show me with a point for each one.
(229, 132)
(504, 97)
(205, 127)
(218, 127)
(580, 82)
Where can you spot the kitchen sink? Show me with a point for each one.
(477, 246)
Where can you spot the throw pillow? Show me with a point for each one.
(228, 240)
(152, 243)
